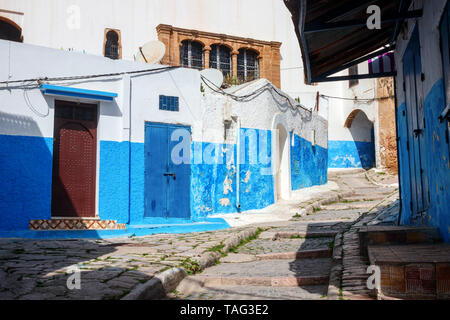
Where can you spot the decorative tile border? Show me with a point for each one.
(76, 224)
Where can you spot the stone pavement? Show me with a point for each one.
(110, 269)
(37, 269)
(296, 259)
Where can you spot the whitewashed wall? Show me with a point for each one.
(51, 24)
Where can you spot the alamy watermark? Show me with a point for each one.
(374, 280)
(255, 149)
(74, 280)
(374, 20)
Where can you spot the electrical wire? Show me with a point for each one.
(253, 95)
(356, 99)
(46, 79)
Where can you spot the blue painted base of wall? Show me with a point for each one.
(26, 180)
(26, 173)
(351, 154)
(210, 224)
(438, 164)
(308, 164)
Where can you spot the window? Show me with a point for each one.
(220, 58)
(191, 54)
(353, 71)
(248, 66)
(10, 31)
(112, 48)
(169, 103)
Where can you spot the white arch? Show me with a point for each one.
(283, 190)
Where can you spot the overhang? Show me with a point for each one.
(84, 94)
(333, 35)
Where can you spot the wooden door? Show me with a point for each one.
(74, 160)
(167, 183)
(416, 126)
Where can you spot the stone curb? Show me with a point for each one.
(167, 281)
(331, 199)
(334, 284)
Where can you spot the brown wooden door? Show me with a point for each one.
(74, 160)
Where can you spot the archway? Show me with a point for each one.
(282, 176)
(10, 30)
(362, 131)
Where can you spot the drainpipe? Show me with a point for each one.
(238, 165)
(398, 152)
(126, 103)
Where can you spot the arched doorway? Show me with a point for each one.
(282, 173)
(362, 131)
(10, 30)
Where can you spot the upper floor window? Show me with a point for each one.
(112, 47)
(353, 71)
(248, 66)
(220, 58)
(9, 30)
(191, 54)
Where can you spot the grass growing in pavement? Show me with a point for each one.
(243, 242)
(192, 267)
(218, 249)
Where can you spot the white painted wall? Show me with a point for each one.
(45, 22)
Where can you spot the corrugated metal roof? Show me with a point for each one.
(343, 37)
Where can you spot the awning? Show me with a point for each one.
(333, 35)
(85, 94)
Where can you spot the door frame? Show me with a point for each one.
(97, 155)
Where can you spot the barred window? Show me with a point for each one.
(248, 66)
(191, 54)
(112, 45)
(220, 58)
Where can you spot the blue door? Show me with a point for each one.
(167, 178)
(415, 116)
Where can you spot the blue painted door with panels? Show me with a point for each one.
(167, 171)
(415, 116)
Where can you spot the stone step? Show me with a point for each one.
(392, 235)
(214, 281)
(301, 254)
(304, 234)
(251, 292)
(417, 271)
(271, 269)
(349, 206)
(358, 198)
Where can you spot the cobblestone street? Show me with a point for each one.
(110, 269)
(293, 260)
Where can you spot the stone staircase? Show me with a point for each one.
(414, 264)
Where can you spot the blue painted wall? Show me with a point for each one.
(208, 194)
(308, 164)
(351, 154)
(438, 164)
(26, 180)
(26, 173)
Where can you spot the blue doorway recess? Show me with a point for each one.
(167, 181)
